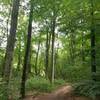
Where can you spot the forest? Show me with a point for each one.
(49, 49)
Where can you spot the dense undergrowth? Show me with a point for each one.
(39, 84)
(33, 84)
(88, 88)
(42, 85)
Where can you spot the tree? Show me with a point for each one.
(10, 44)
(47, 53)
(37, 55)
(52, 47)
(11, 41)
(26, 58)
(93, 52)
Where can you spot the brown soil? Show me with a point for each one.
(62, 93)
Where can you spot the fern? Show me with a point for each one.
(87, 88)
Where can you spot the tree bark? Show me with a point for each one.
(47, 54)
(36, 62)
(11, 41)
(29, 62)
(93, 51)
(52, 48)
(10, 46)
(49, 61)
(26, 58)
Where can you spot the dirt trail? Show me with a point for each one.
(62, 93)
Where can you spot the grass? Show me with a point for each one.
(42, 85)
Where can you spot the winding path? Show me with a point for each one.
(62, 93)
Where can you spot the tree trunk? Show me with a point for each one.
(93, 51)
(49, 67)
(56, 55)
(29, 63)
(8, 22)
(26, 58)
(36, 62)
(47, 54)
(10, 45)
(52, 49)
(11, 41)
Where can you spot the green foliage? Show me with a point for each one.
(38, 84)
(72, 21)
(1, 60)
(5, 1)
(42, 85)
(34, 84)
(73, 73)
(3, 90)
(88, 88)
(59, 82)
(13, 89)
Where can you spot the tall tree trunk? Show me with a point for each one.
(26, 58)
(29, 63)
(11, 41)
(93, 51)
(47, 54)
(10, 45)
(56, 53)
(52, 48)
(36, 61)
(49, 63)
(8, 21)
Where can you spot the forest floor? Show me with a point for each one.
(62, 93)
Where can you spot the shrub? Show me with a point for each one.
(42, 85)
(38, 84)
(87, 88)
(75, 73)
(13, 89)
